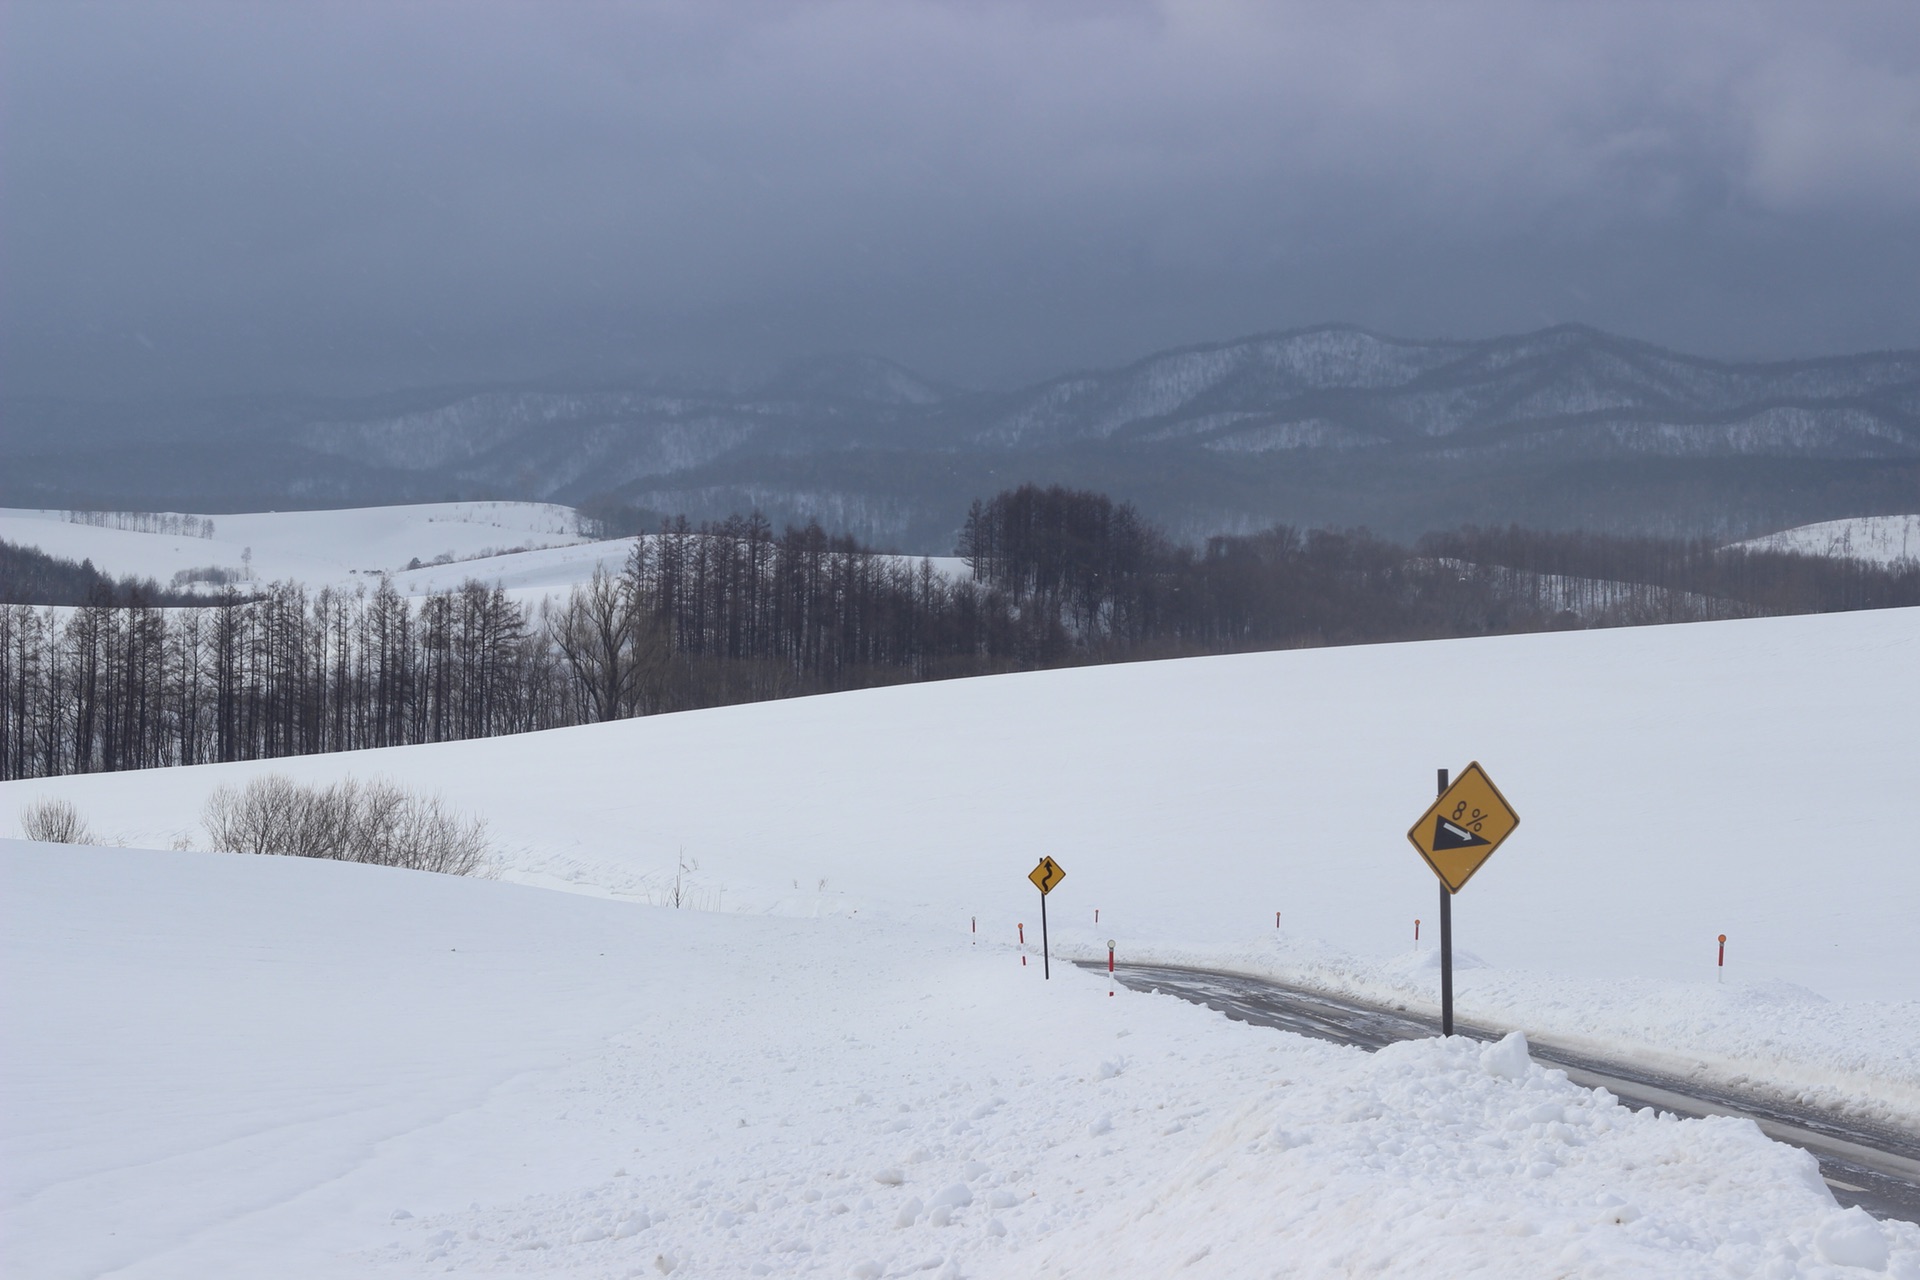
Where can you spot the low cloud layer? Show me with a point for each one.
(211, 198)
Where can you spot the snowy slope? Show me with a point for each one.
(1748, 778)
(536, 551)
(1877, 539)
(319, 548)
(549, 573)
(526, 575)
(222, 1065)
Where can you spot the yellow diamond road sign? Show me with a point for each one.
(1047, 875)
(1464, 827)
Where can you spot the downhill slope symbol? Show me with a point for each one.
(1447, 835)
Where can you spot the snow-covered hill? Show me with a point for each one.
(535, 551)
(1888, 540)
(261, 1063)
(320, 548)
(1191, 800)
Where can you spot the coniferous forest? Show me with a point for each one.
(122, 677)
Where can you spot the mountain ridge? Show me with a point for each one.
(1328, 424)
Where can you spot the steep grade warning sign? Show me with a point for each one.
(1463, 828)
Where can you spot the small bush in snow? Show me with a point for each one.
(54, 821)
(349, 821)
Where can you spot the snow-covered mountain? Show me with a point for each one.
(1334, 425)
(1571, 391)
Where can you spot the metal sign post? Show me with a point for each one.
(1045, 878)
(1046, 952)
(1446, 944)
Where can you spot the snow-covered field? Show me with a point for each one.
(534, 550)
(228, 1066)
(1879, 539)
(319, 548)
(218, 1064)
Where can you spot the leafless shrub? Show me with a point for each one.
(212, 575)
(54, 821)
(686, 891)
(348, 821)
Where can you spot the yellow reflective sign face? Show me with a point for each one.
(1464, 827)
(1048, 874)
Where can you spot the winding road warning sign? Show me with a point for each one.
(1465, 825)
(1047, 875)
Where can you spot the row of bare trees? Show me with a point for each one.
(731, 612)
(725, 612)
(1645, 575)
(285, 672)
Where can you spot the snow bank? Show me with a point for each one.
(231, 1065)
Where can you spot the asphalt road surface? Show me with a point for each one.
(1874, 1167)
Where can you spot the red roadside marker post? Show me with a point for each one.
(1721, 967)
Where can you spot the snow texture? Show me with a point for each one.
(231, 1065)
(218, 1064)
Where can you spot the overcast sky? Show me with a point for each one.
(340, 198)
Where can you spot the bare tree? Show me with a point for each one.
(54, 821)
(595, 633)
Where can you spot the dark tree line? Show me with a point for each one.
(29, 575)
(726, 612)
(1072, 557)
(1689, 579)
(731, 612)
(282, 672)
(1084, 578)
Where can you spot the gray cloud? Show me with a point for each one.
(345, 197)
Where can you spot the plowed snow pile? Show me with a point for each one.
(220, 1064)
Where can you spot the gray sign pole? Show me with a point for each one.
(1446, 945)
(1046, 961)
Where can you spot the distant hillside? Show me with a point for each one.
(1563, 428)
(1887, 540)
